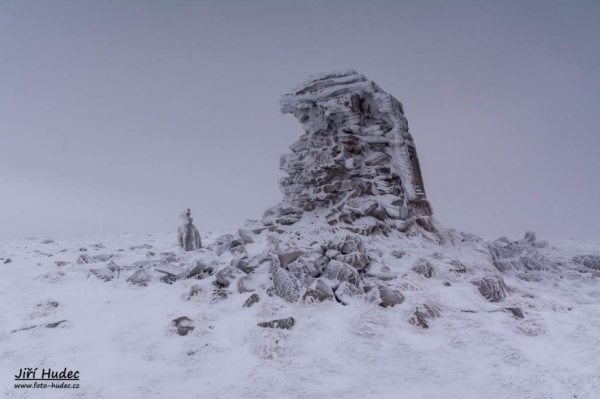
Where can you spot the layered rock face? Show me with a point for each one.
(356, 165)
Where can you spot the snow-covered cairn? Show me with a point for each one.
(188, 236)
(356, 164)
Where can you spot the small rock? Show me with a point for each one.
(101, 258)
(183, 325)
(245, 285)
(332, 253)
(356, 259)
(83, 259)
(140, 277)
(195, 290)
(254, 298)
(243, 265)
(398, 254)
(339, 272)
(199, 271)
(285, 258)
(417, 319)
(246, 235)
(348, 293)
(424, 268)
(384, 296)
(517, 312)
(589, 261)
(143, 246)
(168, 256)
(48, 241)
(60, 264)
(491, 288)
(219, 295)
(318, 292)
(55, 324)
(150, 254)
(99, 246)
(505, 265)
(82, 249)
(171, 270)
(102, 274)
(285, 324)
(228, 275)
(7, 260)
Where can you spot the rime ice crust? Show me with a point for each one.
(356, 164)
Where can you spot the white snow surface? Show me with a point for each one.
(119, 336)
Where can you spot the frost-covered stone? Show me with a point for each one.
(184, 325)
(589, 261)
(246, 235)
(228, 275)
(356, 259)
(318, 292)
(254, 298)
(140, 277)
(285, 258)
(285, 285)
(171, 270)
(384, 296)
(188, 236)
(103, 274)
(285, 324)
(339, 272)
(194, 291)
(310, 263)
(83, 259)
(199, 271)
(424, 268)
(348, 293)
(491, 288)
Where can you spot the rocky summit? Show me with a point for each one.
(355, 166)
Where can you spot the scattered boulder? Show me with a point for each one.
(424, 268)
(195, 290)
(245, 284)
(98, 246)
(339, 272)
(102, 274)
(589, 261)
(199, 271)
(505, 265)
(84, 259)
(285, 324)
(417, 319)
(356, 259)
(285, 285)
(55, 324)
(243, 265)
(48, 241)
(310, 263)
(384, 296)
(184, 325)
(491, 288)
(171, 270)
(254, 298)
(517, 312)
(318, 292)
(60, 263)
(398, 254)
(7, 260)
(246, 235)
(140, 277)
(219, 295)
(285, 258)
(458, 267)
(348, 293)
(228, 275)
(101, 258)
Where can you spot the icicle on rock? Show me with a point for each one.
(356, 164)
(188, 236)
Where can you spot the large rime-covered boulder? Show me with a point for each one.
(356, 163)
(188, 236)
(491, 288)
(285, 285)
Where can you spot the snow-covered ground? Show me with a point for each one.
(120, 338)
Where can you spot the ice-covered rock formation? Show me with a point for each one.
(356, 165)
(188, 236)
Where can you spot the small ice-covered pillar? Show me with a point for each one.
(188, 236)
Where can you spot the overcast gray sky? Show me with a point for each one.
(116, 115)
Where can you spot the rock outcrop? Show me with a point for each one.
(356, 164)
